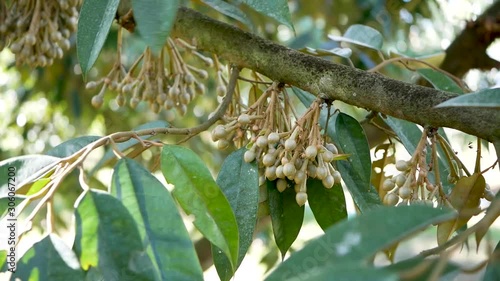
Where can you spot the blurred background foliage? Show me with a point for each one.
(42, 107)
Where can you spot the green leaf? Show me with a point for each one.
(155, 20)
(49, 259)
(131, 142)
(492, 272)
(162, 230)
(107, 237)
(447, 273)
(67, 148)
(12, 208)
(345, 272)
(277, 9)
(96, 17)
(199, 195)
(286, 216)
(359, 239)
(489, 98)
(239, 181)
(356, 171)
(230, 10)
(439, 80)
(361, 35)
(327, 204)
(18, 171)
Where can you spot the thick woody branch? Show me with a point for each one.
(318, 76)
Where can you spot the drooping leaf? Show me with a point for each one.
(95, 19)
(49, 259)
(489, 98)
(67, 148)
(359, 239)
(465, 198)
(239, 181)
(286, 216)
(361, 35)
(20, 171)
(439, 80)
(199, 195)
(492, 272)
(154, 20)
(230, 10)
(107, 237)
(130, 143)
(277, 9)
(162, 230)
(327, 204)
(356, 171)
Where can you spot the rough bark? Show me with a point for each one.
(334, 81)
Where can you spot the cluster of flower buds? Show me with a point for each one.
(37, 31)
(160, 86)
(400, 186)
(285, 152)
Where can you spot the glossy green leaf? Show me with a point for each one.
(489, 98)
(3, 261)
(96, 17)
(162, 230)
(359, 239)
(154, 20)
(356, 171)
(23, 170)
(439, 80)
(67, 148)
(239, 181)
(361, 35)
(49, 259)
(492, 272)
(107, 237)
(230, 10)
(199, 195)
(327, 204)
(122, 146)
(286, 216)
(38, 185)
(277, 9)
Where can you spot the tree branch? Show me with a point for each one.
(338, 82)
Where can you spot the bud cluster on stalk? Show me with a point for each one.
(285, 152)
(164, 81)
(38, 31)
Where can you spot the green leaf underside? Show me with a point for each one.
(439, 80)
(49, 259)
(27, 169)
(277, 9)
(109, 154)
(361, 35)
(155, 20)
(286, 216)
(230, 10)
(356, 171)
(359, 239)
(199, 195)
(489, 98)
(107, 237)
(162, 230)
(96, 17)
(69, 147)
(327, 204)
(239, 181)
